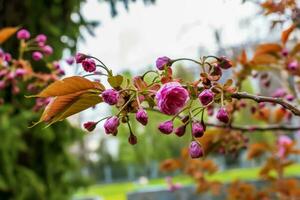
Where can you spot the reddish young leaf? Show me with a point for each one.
(69, 85)
(286, 33)
(6, 33)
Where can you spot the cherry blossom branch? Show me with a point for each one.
(255, 128)
(246, 128)
(258, 99)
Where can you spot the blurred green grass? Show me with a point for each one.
(118, 191)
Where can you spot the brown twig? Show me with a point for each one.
(247, 128)
(256, 128)
(258, 98)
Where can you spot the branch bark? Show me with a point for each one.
(258, 99)
(256, 128)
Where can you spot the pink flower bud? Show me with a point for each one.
(20, 72)
(195, 150)
(223, 115)
(110, 96)
(132, 139)
(48, 50)
(89, 65)
(166, 127)
(180, 131)
(7, 57)
(37, 55)
(197, 129)
(70, 60)
(284, 52)
(141, 116)
(206, 96)
(293, 65)
(23, 34)
(111, 125)
(79, 57)
(290, 97)
(161, 62)
(224, 63)
(279, 93)
(41, 38)
(90, 126)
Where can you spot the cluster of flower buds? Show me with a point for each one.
(167, 95)
(17, 73)
(36, 45)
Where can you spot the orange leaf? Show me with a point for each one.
(57, 105)
(64, 106)
(243, 57)
(263, 59)
(267, 48)
(68, 86)
(286, 33)
(6, 33)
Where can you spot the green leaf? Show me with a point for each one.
(115, 81)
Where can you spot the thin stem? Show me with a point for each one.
(125, 105)
(258, 99)
(189, 59)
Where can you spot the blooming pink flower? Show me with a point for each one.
(41, 38)
(223, 115)
(23, 34)
(37, 55)
(111, 125)
(195, 150)
(206, 96)
(161, 62)
(171, 98)
(89, 65)
(141, 116)
(110, 96)
(79, 57)
(166, 127)
(48, 50)
(90, 126)
(197, 129)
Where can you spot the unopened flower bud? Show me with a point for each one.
(166, 127)
(23, 34)
(89, 65)
(37, 55)
(111, 125)
(206, 96)
(79, 57)
(162, 62)
(223, 115)
(132, 139)
(141, 116)
(90, 126)
(195, 150)
(197, 129)
(224, 63)
(180, 131)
